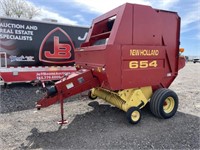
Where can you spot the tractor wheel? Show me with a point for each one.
(133, 115)
(164, 103)
(91, 96)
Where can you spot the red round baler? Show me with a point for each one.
(130, 58)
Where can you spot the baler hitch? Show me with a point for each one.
(69, 85)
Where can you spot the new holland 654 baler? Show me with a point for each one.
(130, 58)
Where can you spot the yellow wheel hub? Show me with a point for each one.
(135, 116)
(168, 105)
(93, 96)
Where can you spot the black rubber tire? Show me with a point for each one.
(129, 115)
(92, 97)
(157, 102)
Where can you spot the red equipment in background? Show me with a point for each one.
(130, 57)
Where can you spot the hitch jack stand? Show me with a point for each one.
(62, 121)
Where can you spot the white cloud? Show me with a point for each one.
(102, 6)
(191, 19)
(45, 13)
(80, 18)
(164, 4)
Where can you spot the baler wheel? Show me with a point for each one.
(91, 96)
(133, 115)
(164, 103)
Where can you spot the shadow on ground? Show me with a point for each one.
(107, 128)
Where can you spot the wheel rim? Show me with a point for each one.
(135, 116)
(168, 104)
(93, 96)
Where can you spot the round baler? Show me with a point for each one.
(130, 58)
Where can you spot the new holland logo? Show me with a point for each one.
(57, 51)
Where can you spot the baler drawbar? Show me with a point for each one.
(130, 58)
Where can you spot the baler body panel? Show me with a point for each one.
(107, 58)
(135, 45)
(142, 75)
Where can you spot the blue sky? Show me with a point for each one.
(82, 12)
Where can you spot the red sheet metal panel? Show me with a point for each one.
(134, 45)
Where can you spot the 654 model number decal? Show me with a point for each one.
(143, 64)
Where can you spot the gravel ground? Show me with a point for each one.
(98, 125)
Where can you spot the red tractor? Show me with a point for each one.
(130, 58)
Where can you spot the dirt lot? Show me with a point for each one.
(97, 125)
